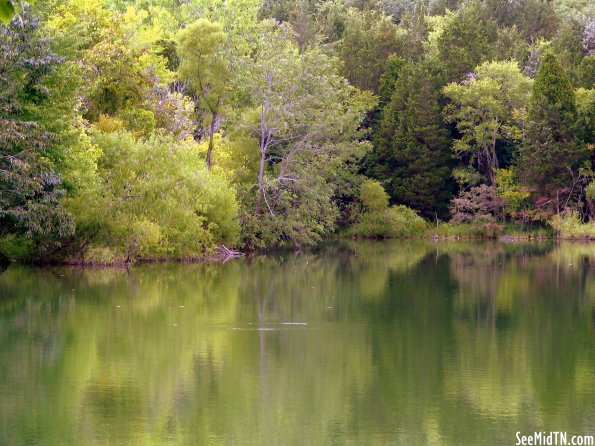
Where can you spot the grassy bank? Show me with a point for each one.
(402, 222)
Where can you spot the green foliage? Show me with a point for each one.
(140, 122)
(479, 230)
(30, 188)
(569, 225)
(466, 41)
(95, 89)
(392, 222)
(298, 125)
(585, 107)
(551, 150)
(202, 63)
(6, 11)
(204, 66)
(488, 107)
(394, 65)
(509, 189)
(373, 196)
(368, 39)
(117, 53)
(411, 154)
(154, 198)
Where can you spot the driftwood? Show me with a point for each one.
(228, 254)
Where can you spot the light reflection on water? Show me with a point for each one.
(358, 343)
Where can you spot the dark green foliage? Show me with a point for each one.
(393, 68)
(586, 72)
(30, 189)
(534, 19)
(412, 145)
(368, 40)
(551, 151)
(467, 40)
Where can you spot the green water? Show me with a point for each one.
(400, 343)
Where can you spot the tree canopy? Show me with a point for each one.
(135, 129)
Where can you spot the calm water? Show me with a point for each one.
(355, 344)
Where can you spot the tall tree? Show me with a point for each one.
(367, 41)
(411, 154)
(305, 117)
(488, 108)
(30, 188)
(204, 65)
(466, 40)
(551, 150)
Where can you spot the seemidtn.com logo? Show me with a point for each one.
(554, 439)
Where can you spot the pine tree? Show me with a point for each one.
(551, 150)
(411, 154)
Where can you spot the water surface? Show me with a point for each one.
(358, 343)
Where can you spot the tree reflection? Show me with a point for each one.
(356, 343)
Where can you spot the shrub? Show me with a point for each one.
(570, 226)
(102, 256)
(140, 122)
(480, 204)
(373, 196)
(109, 124)
(392, 222)
(154, 198)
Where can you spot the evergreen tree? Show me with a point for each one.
(412, 146)
(466, 41)
(551, 150)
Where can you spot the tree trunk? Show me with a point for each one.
(491, 161)
(211, 139)
(260, 181)
(4, 261)
(264, 141)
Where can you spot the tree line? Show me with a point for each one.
(162, 129)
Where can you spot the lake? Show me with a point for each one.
(354, 343)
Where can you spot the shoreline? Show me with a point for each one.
(221, 256)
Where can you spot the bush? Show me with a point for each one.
(373, 196)
(487, 230)
(569, 225)
(153, 198)
(138, 121)
(392, 222)
(479, 204)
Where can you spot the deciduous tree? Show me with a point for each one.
(305, 117)
(490, 106)
(204, 66)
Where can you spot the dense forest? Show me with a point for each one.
(166, 128)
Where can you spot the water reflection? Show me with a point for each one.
(358, 343)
